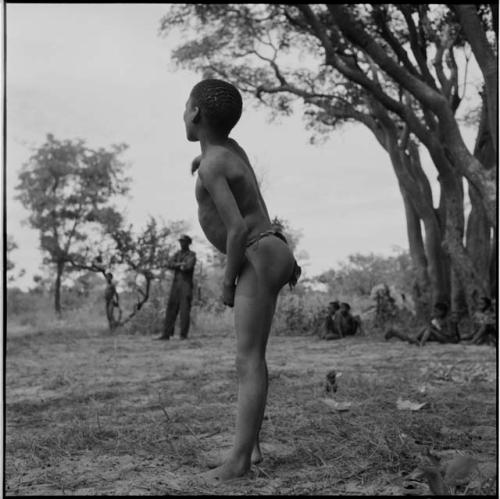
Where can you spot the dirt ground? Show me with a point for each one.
(90, 413)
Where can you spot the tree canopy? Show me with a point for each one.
(68, 189)
(402, 70)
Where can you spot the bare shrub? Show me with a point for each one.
(300, 314)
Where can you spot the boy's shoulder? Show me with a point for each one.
(219, 160)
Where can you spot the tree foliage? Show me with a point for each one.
(399, 69)
(141, 255)
(68, 189)
(10, 246)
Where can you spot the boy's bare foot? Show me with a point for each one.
(215, 462)
(227, 471)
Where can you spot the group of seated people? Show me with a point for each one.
(339, 322)
(444, 329)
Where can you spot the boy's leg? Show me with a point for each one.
(254, 305)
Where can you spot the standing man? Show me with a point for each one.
(181, 292)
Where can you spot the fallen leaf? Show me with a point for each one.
(459, 470)
(337, 406)
(407, 405)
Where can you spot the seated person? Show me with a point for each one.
(330, 331)
(346, 323)
(485, 330)
(441, 329)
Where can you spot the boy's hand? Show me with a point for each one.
(228, 291)
(195, 164)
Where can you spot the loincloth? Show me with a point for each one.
(297, 270)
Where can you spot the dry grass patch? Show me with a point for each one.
(91, 413)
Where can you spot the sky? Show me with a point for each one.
(102, 73)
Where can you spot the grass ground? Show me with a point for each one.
(88, 412)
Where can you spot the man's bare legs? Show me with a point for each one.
(269, 265)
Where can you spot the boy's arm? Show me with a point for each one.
(215, 182)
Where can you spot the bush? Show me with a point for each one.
(300, 314)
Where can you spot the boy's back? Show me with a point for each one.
(229, 164)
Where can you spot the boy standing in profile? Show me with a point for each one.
(234, 218)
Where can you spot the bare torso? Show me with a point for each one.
(243, 184)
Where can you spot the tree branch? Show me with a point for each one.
(418, 50)
(423, 92)
(380, 18)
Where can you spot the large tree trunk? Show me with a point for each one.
(453, 243)
(438, 261)
(428, 257)
(57, 287)
(480, 243)
(460, 160)
(421, 286)
(463, 269)
(414, 183)
(485, 57)
(478, 236)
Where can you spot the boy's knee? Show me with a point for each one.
(246, 364)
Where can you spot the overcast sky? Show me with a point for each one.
(101, 72)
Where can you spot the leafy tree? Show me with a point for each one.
(11, 245)
(67, 188)
(142, 255)
(391, 67)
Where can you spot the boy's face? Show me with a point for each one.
(190, 113)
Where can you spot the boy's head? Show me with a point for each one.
(345, 308)
(215, 104)
(333, 306)
(109, 276)
(440, 309)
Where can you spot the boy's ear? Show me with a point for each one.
(197, 115)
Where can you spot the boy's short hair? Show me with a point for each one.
(219, 102)
(109, 274)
